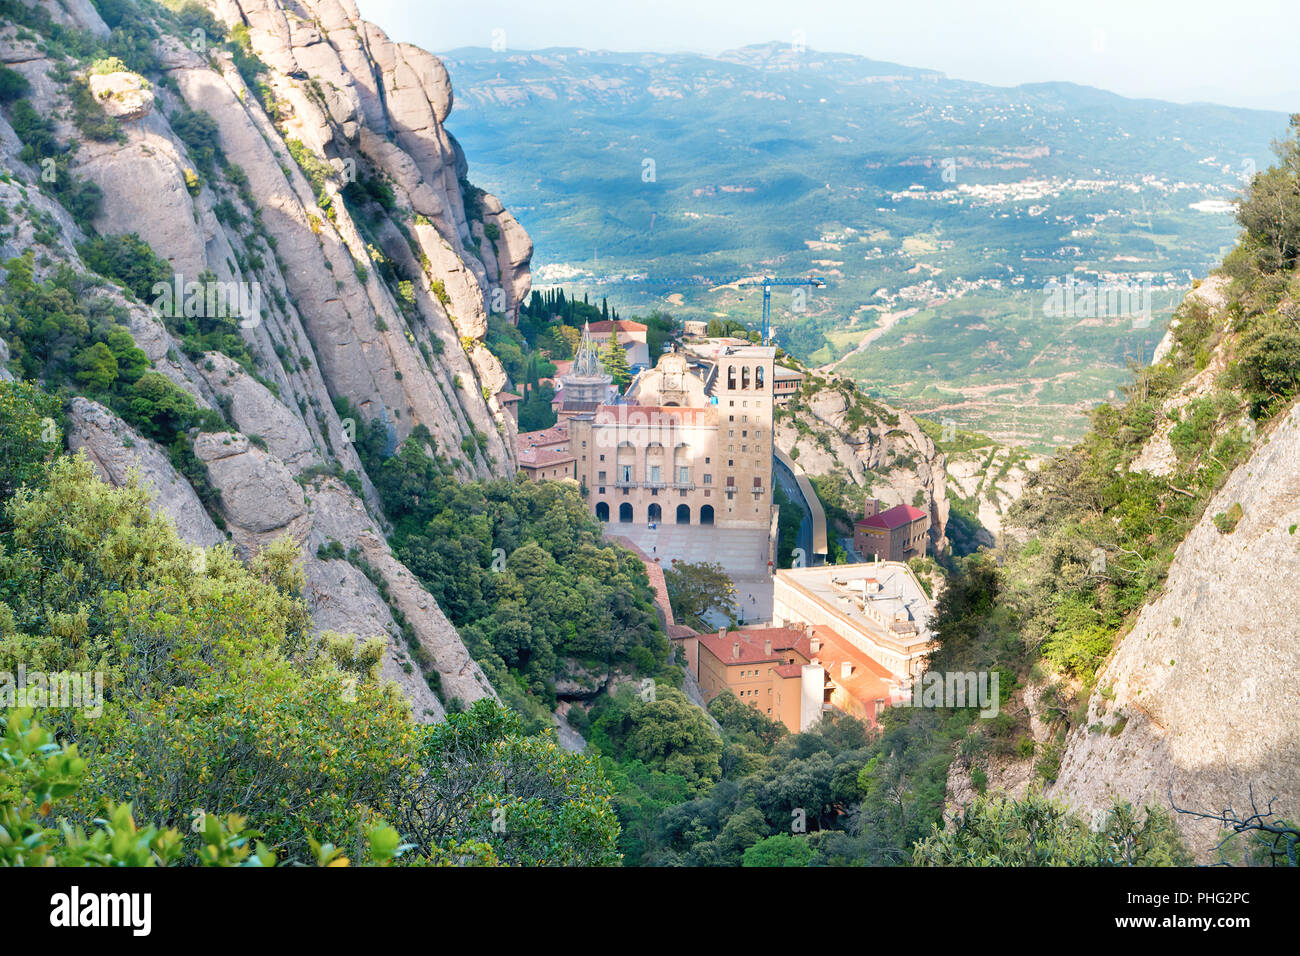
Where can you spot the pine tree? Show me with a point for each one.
(614, 358)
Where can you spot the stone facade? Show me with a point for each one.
(690, 443)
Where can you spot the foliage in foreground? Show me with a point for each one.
(1036, 831)
(218, 699)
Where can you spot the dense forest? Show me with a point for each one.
(227, 734)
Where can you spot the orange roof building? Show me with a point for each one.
(793, 675)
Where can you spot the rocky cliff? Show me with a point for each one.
(830, 428)
(1198, 704)
(339, 205)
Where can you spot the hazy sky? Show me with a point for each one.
(1237, 52)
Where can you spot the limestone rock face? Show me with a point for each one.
(255, 411)
(1157, 456)
(888, 443)
(122, 95)
(259, 496)
(116, 451)
(74, 13)
(338, 516)
(375, 109)
(995, 479)
(1202, 700)
(379, 297)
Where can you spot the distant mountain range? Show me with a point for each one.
(936, 208)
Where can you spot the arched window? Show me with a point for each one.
(744, 376)
(731, 377)
(758, 377)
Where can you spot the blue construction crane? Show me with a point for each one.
(766, 282)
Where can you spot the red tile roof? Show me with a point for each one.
(892, 518)
(867, 682)
(622, 325)
(554, 435)
(839, 648)
(753, 644)
(543, 457)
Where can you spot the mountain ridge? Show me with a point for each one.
(239, 168)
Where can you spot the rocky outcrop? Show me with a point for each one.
(337, 515)
(1199, 703)
(256, 412)
(1157, 456)
(118, 453)
(374, 110)
(122, 95)
(831, 427)
(381, 297)
(991, 479)
(259, 498)
(80, 14)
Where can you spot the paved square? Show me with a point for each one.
(742, 552)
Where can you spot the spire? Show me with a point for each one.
(586, 362)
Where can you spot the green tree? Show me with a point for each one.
(779, 850)
(477, 776)
(667, 733)
(1036, 831)
(127, 260)
(31, 436)
(96, 367)
(1270, 211)
(696, 588)
(218, 695)
(614, 358)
